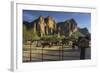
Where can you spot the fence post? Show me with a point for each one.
(42, 53)
(62, 52)
(30, 52)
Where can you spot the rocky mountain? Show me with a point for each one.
(44, 26)
(48, 26)
(68, 27)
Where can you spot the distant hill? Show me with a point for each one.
(84, 31)
(27, 24)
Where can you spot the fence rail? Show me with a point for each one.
(43, 54)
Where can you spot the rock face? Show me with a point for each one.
(47, 26)
(67, 27)
(50, 25)
(44, 26)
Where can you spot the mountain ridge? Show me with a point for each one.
(48, 26)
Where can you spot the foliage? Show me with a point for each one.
(52, 37)
(29, 34)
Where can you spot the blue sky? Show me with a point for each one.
(82, 19)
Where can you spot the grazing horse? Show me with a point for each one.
(46, 43)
